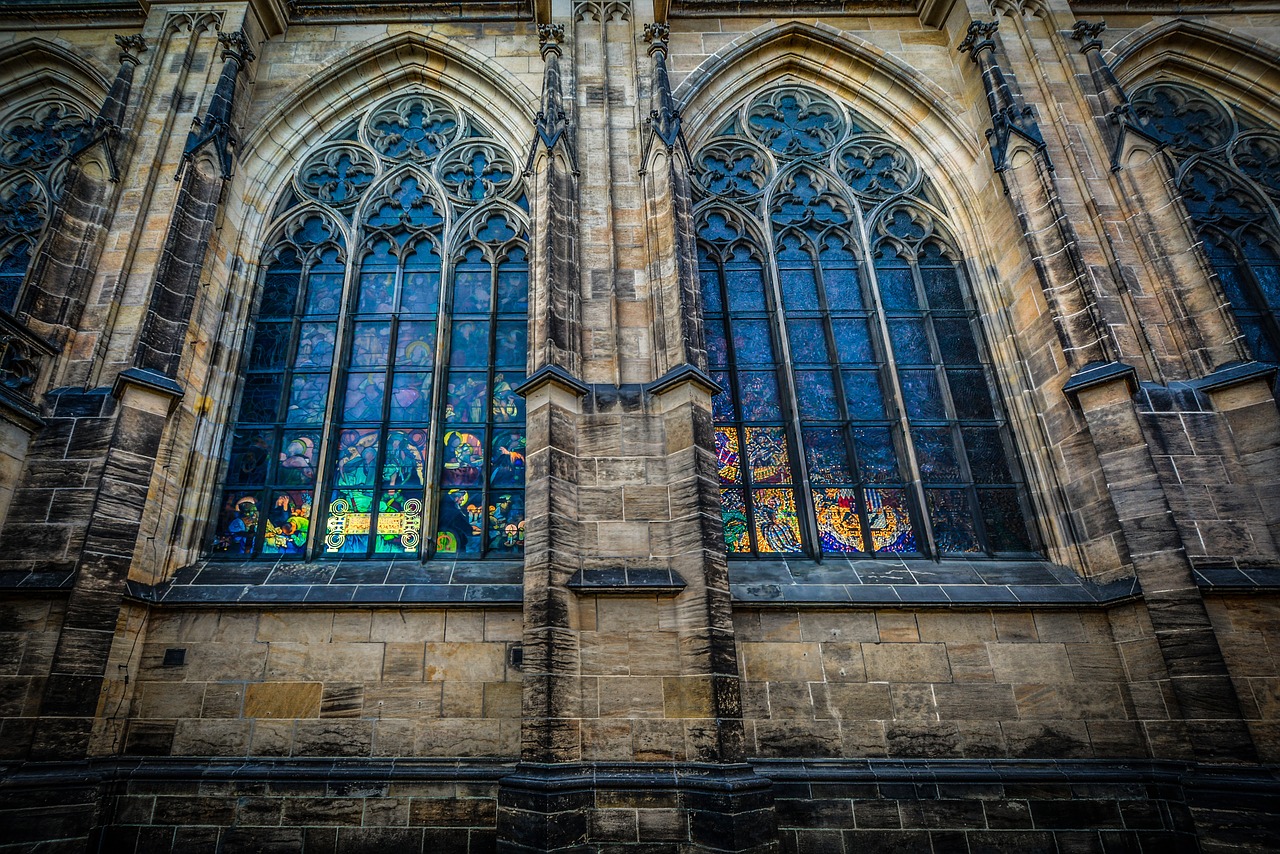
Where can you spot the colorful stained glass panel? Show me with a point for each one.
(463, 453)
(324, 294)
(506, 523)
(767, 451)
(315, 346)
(512, 350)
(777, 525)
(371, 344)
(839, 525)
(471, 291)
(236, 531)
(459, 524)
(513, 289)
(399, 522)
(363, 400)
(298, 459)
(746, 290)
(377, 292)
(507, 459)
(507, 406)
(465, 400)
(733, 511)
(288, 522)
(347, 521)
(469, 344)
(357, 459)
(411, 397)
(728, 455)
(890, 521)
(405, 461)
(307, 396)
(416, 344)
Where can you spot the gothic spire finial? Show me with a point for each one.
(216, 128)
(130, 47)
(1087, 34)
(549, 38)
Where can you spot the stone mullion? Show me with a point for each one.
(1197, 673)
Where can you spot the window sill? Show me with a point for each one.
(364, 582)
(920, 583)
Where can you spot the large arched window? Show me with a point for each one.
(377, 404)
(34, 141)
(1229, 175)
(857, 416)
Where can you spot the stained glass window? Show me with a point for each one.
(377, 414)
(857, 415)
(1229, 175)
(34, 142)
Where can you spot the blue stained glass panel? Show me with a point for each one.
(261, 398)
(411, 397)
(405, 462)
(825, 452)
(751, 342)
(853, 343)
(717, 347)
(512, 350)
(416, 344)
(910, 341)
(953, 528)
(920, 394)
(1257, 339)
(236, 532)
(363, 400)
(356, 463)
(421, 292)
(315, 345)
(471, 290)
(465, 400)
(746, 290)
(935, 451)
(971, 394)
(816, 396)
(280, 291)
(877, 459)
(270, 345)
(955, 338)
(897, 290)
(808, 342)
(1268, 277)
(377, 292)
(709, 278)
(463, 454)
(862, 391)
(728, 455)
(942, 287)
(348, 521)
(469, 344)
(799, 288)
(324, 294)
(843, 292)
(759, 395)
(308, 395)
(371, 344)
(513, 285)
(506, 522)
(722, 408)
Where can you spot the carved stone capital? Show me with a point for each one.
(656, 36)
(236, 46)
(549, 38)
(1087, 34)
(130, 47)
(980, 37)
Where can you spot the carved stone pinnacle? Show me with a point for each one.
(1087, 34)
(236, 45)
(979, 38)
(130, 47)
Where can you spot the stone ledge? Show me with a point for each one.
(920, 583)
(624, 581)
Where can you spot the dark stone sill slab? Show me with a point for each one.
(920, 583)
(1231, 579)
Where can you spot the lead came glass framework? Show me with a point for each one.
(377, 416)
(1229, 175)
(857, 416)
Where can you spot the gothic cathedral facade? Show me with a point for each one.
(639, 426)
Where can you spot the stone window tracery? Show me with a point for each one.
(377, 416)
(857, 416)
(1228, 171)
(34, 142)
